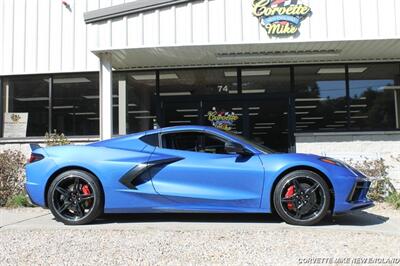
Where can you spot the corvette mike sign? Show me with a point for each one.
(280, 18)
(222, 120)
(15, 125)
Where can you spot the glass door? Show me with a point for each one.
(268, 123)
(264, 121)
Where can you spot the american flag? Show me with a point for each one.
(276, 3)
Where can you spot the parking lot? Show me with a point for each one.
(32, 236)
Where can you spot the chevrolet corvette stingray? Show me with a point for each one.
(190, 169)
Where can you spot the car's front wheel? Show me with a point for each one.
(74, 197)
(302, 198)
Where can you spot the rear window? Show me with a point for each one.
(151, 140)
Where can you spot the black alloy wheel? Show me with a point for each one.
(302, 198)
(75, 198)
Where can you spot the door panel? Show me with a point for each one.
(268, 123)
(209, 180)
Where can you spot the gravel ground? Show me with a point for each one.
(185, 243)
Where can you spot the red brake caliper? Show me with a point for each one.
(289, 193)
(86, 192)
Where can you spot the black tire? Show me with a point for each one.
(302, 197)
(68, 201)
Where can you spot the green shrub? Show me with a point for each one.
(56, 139)
(12, 175)
(20, 200)
(394, 199)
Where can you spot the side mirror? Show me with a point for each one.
(232, 147)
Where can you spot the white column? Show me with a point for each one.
(106, 117)
(7, 97)
(397, 107)
(122, 107)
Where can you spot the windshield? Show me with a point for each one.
(256, 145)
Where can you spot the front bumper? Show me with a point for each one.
(359, 191)
(357, 197)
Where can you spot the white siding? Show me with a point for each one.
(19, 36)
(43, 36)
(387, 17)
(80, 40)
(67, 37)
(369, 18)
(352, 12)
(8, 35)
(135, 29)
(31, 33)
(1, 35)
(183, 24)
(167, 22)
(55, 36)
(334, 19)
(223, 21)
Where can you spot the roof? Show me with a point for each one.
(129, 8)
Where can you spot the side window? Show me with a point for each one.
(184, 141)
(151, 140)
(213, 144)
(194, 141)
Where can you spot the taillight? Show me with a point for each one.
(35, 157)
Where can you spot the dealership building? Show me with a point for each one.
(311, 76)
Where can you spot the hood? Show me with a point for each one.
(277, 161)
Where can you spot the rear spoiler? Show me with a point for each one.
(34, 146)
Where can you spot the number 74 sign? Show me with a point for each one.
(223, 88)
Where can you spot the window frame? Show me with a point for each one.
(156, 135)
(161, 141)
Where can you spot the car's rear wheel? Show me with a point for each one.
(75, 198)
(302, 198)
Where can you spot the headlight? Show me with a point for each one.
(355, 172)
(332, 161)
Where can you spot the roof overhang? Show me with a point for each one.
(386, 50)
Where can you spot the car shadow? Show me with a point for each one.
(360, 218)
(188, 218)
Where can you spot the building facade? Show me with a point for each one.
(314, 76)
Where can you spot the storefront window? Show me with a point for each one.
(139, 89)
(198, 82)
(265, 80)
(76, 104)
(373, 96)
(30, 95)
(320, 98)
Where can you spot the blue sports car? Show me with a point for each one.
(190, 169)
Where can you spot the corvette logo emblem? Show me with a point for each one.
(15, 118)
(280, 17)
(222, 120)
